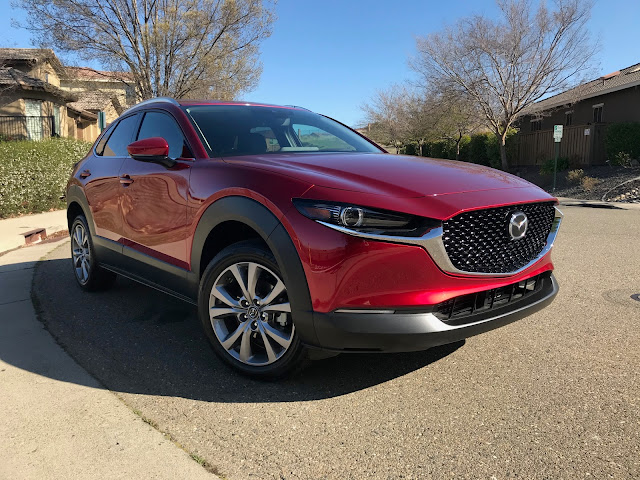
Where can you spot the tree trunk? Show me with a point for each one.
(503, 151)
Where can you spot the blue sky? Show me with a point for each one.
(332, 55)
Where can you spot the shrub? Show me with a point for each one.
(478, 152)
(33, 175)
(575, 176)
(589, 183)
(622, 141)
(622, 159)
(547, 167)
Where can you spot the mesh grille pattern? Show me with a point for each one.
(480, 242)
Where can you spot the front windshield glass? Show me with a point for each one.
(230, 130)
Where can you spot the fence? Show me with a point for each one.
(581, 144)
(21, 127)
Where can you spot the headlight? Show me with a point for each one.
(362, 219)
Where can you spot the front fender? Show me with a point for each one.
(271, 230)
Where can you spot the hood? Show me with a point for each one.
(385, 174)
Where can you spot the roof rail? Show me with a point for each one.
(298, 106)
(173, 101)
(159, 99)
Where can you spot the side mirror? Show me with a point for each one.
(154, 149)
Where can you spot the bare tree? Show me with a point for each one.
(387, 113)
(181, 48)
(454, 117)
(508, 64)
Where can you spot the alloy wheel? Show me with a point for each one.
(250, 314)
(81, 253)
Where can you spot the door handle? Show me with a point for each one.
(85, 174)
(126, 180)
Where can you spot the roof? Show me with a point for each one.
(95, 100)
(82, 113)
(86, 73)
(620, 80)
(187, 103)
(10, 56)
(12, 77)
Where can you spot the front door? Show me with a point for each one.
(154, 204)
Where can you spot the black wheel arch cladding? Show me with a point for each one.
(273, 233)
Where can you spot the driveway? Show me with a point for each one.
(556, 395)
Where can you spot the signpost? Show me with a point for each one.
(557, 136)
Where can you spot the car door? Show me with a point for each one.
(154, 206)
(102, 188)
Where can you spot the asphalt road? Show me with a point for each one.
(556, 395)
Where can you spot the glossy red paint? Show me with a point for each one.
(158, 213)
(149, 147)
(154, 210)
(348, 272)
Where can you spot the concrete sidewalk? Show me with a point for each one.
(57, 421)
(12, 229)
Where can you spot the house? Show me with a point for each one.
(100, 91)
(32, 104)
(39, 97)
(584, 111)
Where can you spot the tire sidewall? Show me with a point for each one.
(81, 220)
(244, 252)
(99, 278)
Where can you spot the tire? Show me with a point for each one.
(245, 313)
(88, 273)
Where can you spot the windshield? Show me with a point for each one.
(230, 130)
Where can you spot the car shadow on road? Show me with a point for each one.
(137, 340)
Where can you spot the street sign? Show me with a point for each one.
(557, 133)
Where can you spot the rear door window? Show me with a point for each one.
(121, 137)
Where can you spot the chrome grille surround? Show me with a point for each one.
(479, 240)
(432, 242)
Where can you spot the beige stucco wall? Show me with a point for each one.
(11, 103)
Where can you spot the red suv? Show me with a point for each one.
(294, 235)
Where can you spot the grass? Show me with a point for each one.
(33, 175)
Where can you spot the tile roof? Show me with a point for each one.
(95, 100)
(36, 55)
(625, 78)
(86, 73)
(14, 78)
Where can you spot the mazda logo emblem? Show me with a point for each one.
(518, 225)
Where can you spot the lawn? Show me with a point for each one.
(33, 175)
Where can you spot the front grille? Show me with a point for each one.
(479, 241)
(467, 308)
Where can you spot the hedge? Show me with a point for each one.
(622, 140)
(33, 175)
(481, 148)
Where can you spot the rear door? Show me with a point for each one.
(154, 206)
(102, 188)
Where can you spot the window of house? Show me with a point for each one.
(121, 137)
(156, 124)
(568, 118)
(597, 113)
(536, 125)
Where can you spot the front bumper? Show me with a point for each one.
(407, 331)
